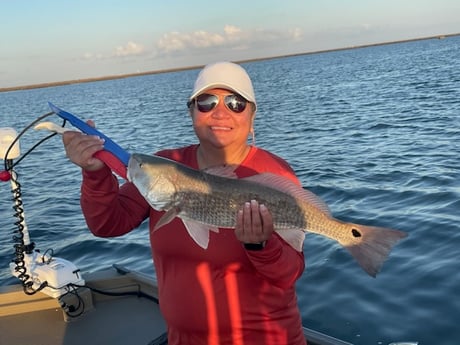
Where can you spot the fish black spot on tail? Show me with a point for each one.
(373, 247)
(356, 233)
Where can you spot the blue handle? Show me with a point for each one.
(109, 145)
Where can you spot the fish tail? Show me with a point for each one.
(371, 245)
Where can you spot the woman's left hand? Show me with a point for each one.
(254, 223)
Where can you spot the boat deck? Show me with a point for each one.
(120, 325)
(110, 320)
(114, 320)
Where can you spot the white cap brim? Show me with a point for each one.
(224, 75)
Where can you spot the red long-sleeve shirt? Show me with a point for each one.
(221, 295)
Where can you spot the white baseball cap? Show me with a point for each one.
(225, 75)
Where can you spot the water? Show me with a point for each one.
(375, 132)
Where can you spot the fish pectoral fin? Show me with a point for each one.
(294, 237)
(166, 218)
(214, 229)
(199, 232)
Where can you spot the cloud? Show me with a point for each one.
(92, 56)
(231, 37)
(201, 42)
(176, 41)
(130, 49)
(296, 34)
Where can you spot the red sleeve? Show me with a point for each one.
(278, 262)
(110, 210)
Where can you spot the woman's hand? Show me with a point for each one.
(254, 223)
(80, 149)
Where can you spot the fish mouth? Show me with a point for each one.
(135, 162)
(135, 159)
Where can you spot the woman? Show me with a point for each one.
(240, 290)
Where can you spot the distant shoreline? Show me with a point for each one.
(121, 76)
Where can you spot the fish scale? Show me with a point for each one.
(219, 206)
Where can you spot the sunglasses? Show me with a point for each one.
(207, 102)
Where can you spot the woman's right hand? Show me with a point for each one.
(80, 149)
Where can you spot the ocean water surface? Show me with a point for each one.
(373, 131)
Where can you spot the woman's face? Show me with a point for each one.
(222, 127)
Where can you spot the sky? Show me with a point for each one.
(57, 40)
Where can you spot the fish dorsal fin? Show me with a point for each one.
(199, 232)
(294, 237)
(283, 184)
(225, 170)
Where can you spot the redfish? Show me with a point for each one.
(206, 202)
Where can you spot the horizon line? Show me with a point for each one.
(177, 69)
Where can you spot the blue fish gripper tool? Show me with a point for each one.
(113, 155)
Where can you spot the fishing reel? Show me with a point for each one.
(37, 272)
